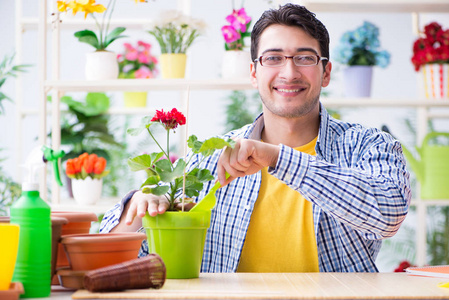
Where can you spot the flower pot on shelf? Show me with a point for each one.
(135, 99)
(435, 80)
(87, 191)
(101, 65)
(236, 64)
(178, 237)
(173, 65)
(357, 81)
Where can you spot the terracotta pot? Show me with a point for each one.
(93, 251)
(56, 232)
(78, 223)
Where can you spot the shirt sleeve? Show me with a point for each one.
(112, 217)
(365, 186)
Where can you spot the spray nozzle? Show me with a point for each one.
(53, 156)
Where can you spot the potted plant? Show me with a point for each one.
(177, 236)
(359, 50)
(136, 62)
(235, 60)
(101, 64)
(87, 172)
(175, 33)
(431, 56)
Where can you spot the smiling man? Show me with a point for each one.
(306, 192)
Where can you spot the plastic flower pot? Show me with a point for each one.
(173, 65)
(101, 65)
(178, 238)
(93, 251)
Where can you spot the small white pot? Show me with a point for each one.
(101, 65)
(236, 64)
(357, 81)
(87, 191)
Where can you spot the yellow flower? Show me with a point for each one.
(62, 6)
(86, 6)
(140, 1)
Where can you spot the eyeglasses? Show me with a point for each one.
(280, 60)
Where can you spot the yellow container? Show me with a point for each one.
(173, 65)
(135, 99)
(8, 253)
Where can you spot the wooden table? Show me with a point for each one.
(288, 286)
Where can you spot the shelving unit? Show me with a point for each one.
(45, 23)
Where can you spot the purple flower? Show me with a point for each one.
(230, 34)
(239, 19)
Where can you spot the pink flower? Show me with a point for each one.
(131, 56)
(239, 19)
(146, 46)
(143, 72)
(143, 57)
(129, 47)
(230, 34)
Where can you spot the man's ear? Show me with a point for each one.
(327, 74)
(252, 69)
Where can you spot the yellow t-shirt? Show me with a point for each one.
(281, 235)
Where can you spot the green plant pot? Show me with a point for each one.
(178, 237)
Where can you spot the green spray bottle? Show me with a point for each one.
(32, 213)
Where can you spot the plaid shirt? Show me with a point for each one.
(357, 182)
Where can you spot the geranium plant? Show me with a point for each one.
(237, 30)
(105, 36)
(361, 48)
(175, 32)
(432, 47)
(137, 62)
(86, 165)
(168, 178)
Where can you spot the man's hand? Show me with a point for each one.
(246, 158)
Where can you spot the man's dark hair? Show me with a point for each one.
(291, 15)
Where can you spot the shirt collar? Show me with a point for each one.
(254, 132)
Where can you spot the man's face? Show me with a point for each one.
(289, 91)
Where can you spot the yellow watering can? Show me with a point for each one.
(432, 168)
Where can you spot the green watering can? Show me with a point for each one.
(432, 171)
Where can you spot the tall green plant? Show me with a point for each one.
(8, 70)
(241, 110)
(9, 191)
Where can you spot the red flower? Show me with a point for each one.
(433, 48)
(170, 119)
(402, 266)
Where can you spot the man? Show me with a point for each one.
(306, 192)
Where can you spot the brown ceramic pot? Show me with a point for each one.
(78, 223)
(93, 251)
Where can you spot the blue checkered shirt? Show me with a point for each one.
(358, 184)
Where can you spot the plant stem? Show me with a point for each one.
(154, 139)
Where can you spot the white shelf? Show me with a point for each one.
(383, 102)
(79, 24)
(433, 202)
(379, 6)
(101, 207)
(148, 84)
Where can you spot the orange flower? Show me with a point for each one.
(89, 163)
(70, 167)
(100, 165)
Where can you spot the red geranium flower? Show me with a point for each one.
(170, 119)
(432, 48)
(402, 266)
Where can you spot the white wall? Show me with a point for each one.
(207, 118)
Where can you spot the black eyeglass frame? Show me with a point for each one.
(319, 58)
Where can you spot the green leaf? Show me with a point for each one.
(151, 180)
(204, 175)
(215, 143)
(194, 144)
(113, 35)
(141, 162)
(158, 191)
(88, 37)
(143, 125)
(166, 171)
